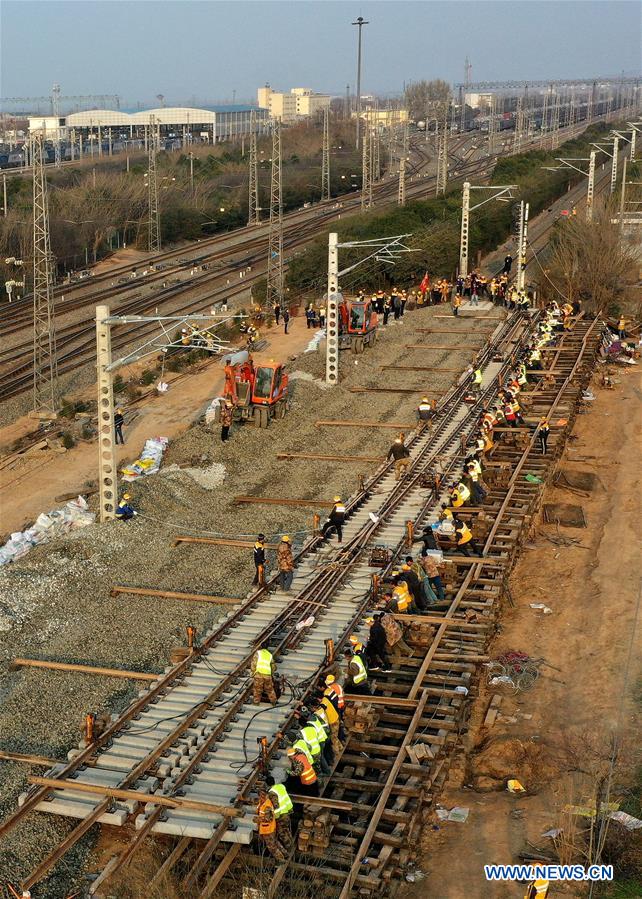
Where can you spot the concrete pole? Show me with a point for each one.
(108, 472)
(465, 220)
(4, 193)
(332, 321)
(590, 190)
(634, 132)
(623, 196)
(523, 238)
(616, 147)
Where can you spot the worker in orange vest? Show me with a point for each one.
(301, 767)
(267, 825)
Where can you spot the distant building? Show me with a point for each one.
(300, 102)
(385, 118)
(479, 101)
(212, 124)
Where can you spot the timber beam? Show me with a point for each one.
(172, 594)
(283, 501)
(419, 368)
(220, 541)
(353, 423)
(320, 457)
(83, 669)
(441, 346)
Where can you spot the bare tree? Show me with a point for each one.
(424, 98)
(591, 261)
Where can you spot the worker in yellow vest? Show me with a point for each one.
(459, 495)
(538, 889)
(356, 675)
(283, 808)
(301, 767)
(465, 540)
(267, 826)
(311, 738)
(263, 670)
(477, 380)
(326, 710)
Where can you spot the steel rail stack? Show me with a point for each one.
(189, 741)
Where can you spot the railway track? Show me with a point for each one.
(190, 740)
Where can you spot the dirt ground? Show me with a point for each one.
(568, 717)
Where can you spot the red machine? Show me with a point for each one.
(357, 325)
(258, 393)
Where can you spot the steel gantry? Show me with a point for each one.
(197, 331)
(325, 156)
(45, 363)
(500, 192)
(253, 217)
(154, 234)
(384, 249)
(275, 237)
(522, 244)
(570, 162)
(366, 172)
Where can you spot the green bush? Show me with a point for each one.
(67, 440)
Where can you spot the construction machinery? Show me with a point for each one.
(357, 325)
(258, 393)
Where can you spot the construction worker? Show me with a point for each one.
(394, 633)
(318, 720)
(543, 432)
(328, 711)
(335, 519)
(311, 738)
(424, 409)
(431, 568)
(119, 421)
(124, 510)
(459, 495)
(508, 264)
(267, 825)
(283, 808)
(376, 651)
(621, 327)
(227, 415)
(400, 600)
(465, 540)
(301, 768)
(401, 455)
(427, 537)
(285, 561)
(538, 889)
(334, 691)
(356, 675)
(259, 560)
(263, 670)
(477, 380)
(478, 492)
(413, 582)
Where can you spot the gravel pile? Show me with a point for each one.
(57, 600)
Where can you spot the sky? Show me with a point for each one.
(211, 51)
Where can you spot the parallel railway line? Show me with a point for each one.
(375, 791)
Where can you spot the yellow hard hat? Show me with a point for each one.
(424, 399)
(369, 621)
(291, 751)
(286, 539)
(330, 679)
(336, 499)
(127, 496)
(354, 639)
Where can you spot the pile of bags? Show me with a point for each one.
(74, 514)
(149, 461)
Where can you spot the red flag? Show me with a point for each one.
(425, 284)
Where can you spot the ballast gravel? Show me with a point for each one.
(55, 603)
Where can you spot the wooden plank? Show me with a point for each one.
(78, 786)
(220, 541)
(219, 873)
(30, 759)
(435, 619)
(352, 423)
(283, 501)
(466, 332)
(328, 458)
(493, 318)
(171, 860)
(83, 669)
(384, 700)
(442, 346)
(171, 594)
(419, 368)
(386, 389)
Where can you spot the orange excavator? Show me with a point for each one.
(357, 325)
(258, 393)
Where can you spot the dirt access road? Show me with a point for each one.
(594, 629)
(32, 486)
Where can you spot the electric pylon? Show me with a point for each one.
(519, 126)
(254, 212)
(325, 156)
(442, 156)
(275, 239)
(492, 126)
(154, 242)
(366, 175)
(45, 363)
(555, 124)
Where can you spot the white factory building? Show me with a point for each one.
(211, 125)
(299, 103)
